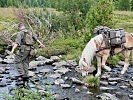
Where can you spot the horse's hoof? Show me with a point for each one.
(122, 72)
(97, 75)
(107, 68)
(84, 74)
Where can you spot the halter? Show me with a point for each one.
(86, 68)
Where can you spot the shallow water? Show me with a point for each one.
(69, 93)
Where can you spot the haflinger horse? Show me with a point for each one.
(94, 45)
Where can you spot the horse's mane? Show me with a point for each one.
(89, 51)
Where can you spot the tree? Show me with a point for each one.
(131, 5)
(3, 3)
(101, 13)
(123, 4)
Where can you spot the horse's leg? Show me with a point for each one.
(98, 66)
(126, 64)
(104, 59)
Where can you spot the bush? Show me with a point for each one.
(92, 81)
(101, 13)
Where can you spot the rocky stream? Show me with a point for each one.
(65, 81)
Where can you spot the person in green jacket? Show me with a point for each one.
(24, 41)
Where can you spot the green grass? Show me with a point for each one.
(92, 81)
(71, 47)
(124, 20)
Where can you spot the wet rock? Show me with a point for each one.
(88, 92)
(114, 79)
(122, 96)
(2, 69)
(84, 87)
(55, 58)
(10, 88)
(9, 81)
(43, 92)
(36, 63)
(131, 96)
(44, 71)
(105, 76)
(77, 90)
(5, 72)
(65, 98)
(56, 96)
(67, 63)
(49, 81)
(130, 71)
(121, 63)
(74, 80)
(125, 80)
(1, 60)
(91, 69)
(3, 84)
(73, 86)
(32, 68)
(123, 87)
(56, 75)
(107, 96)
(113, 83)
(9, 59)
(131, 83)
(118, 66)
(59, 81)
(1, 76)
(107, 88)
(104, 83)
(35, 79)
(66, 78)
(49, 61)
(41, 58)
(65, 85)
(31, 74)
(7, 68)
(62, 70)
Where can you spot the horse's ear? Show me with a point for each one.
(97, 45)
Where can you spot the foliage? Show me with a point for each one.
(124, 20)
(123, 5)
(114, 59)
(68, 47)
(27, 94)
(92, 81)
(101, 13)
(76, 9)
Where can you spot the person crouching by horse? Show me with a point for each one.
(24, 41)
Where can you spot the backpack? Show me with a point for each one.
(28, 38)
(100, 30)
(117, 37)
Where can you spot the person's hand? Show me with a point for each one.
(41, 46)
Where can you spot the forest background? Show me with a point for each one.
(64, 26)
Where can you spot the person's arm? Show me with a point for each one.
(14, 47)
(40, 44)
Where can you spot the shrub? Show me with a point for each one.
(92, 81)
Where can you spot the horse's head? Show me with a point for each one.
(84, 66)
